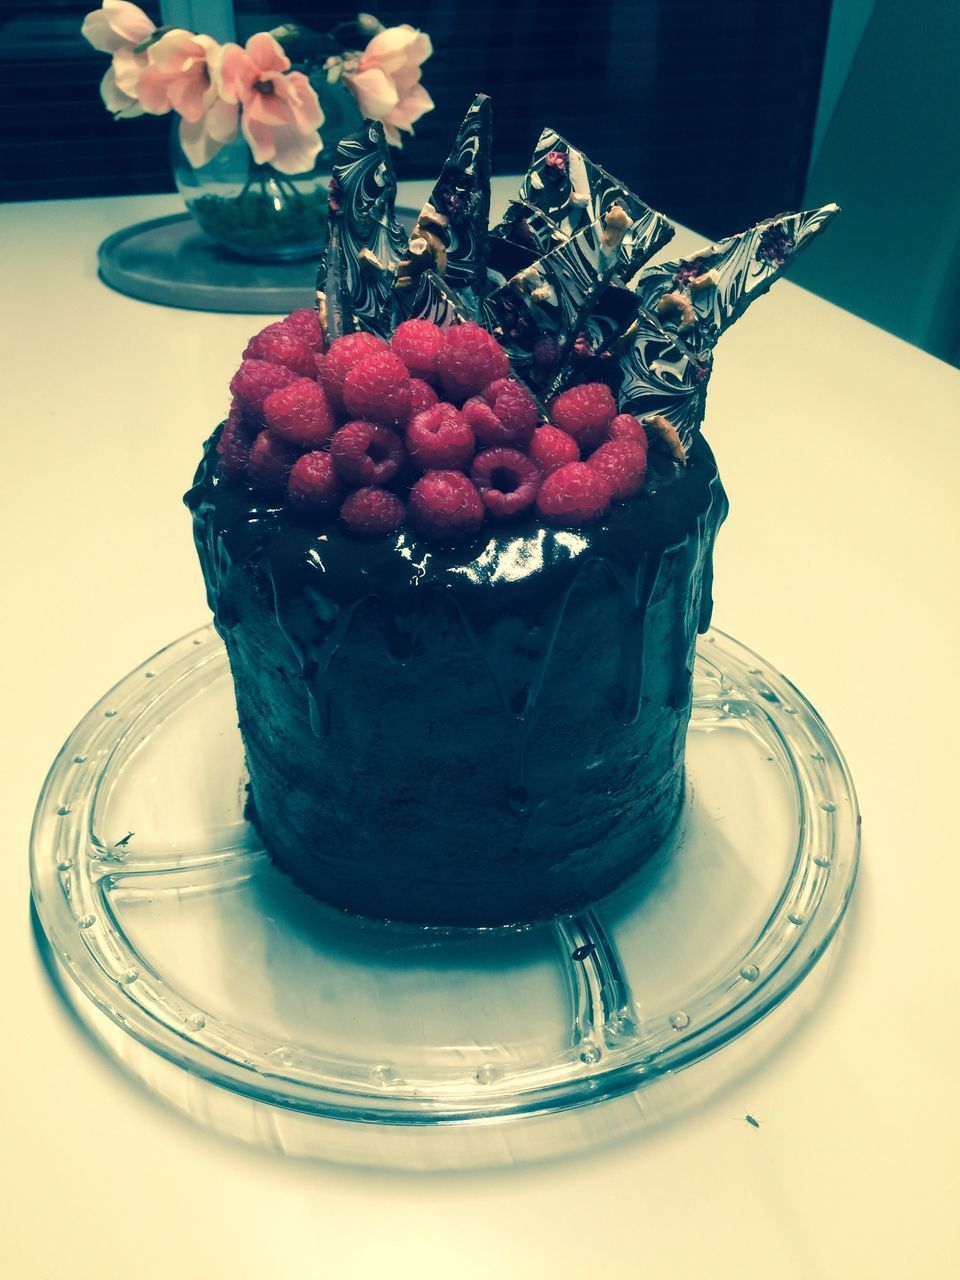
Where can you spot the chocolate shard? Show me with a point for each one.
(551, 298)
(459, 206)
(333, 301)
(659, 375)
(523, 224)
(569, 189)
(364, 227)
(699, 297)
(428, 297)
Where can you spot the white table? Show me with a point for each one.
(840, 450)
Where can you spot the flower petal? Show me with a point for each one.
(296, 150)
(199, 143)
(267, 53)
(127, 68)
(152, 90)
(375, 92)
(116, 26)
(234, 73)
(115, 100)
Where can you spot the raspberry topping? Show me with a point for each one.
(270, 463)
(281, 345)
(365, 453)
(470, 360)
(300, 413)
(484, 423)
(377, 389)
(422, 396)
(440, 439)
(372, 512)
(573, 494)
(313, 486)
(445, 505)
(551, 448)
(623, 465)
(233, 447)
(418, 343)
(343, 354)
(305, 323)
(514, 406)
(626, 427)
(254, 381)
(406, 455)
(585, 412)
(507, 480)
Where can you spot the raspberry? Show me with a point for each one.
(514, 406)
(279, 345)
(470, 359)
(418, 343)
(365, 453)
(305, 323)
(313, 487)
(254, 381)
(440, 439)
(585, 412)
(551, 448)
(270, 463)
(377, 389)
(573, 494)
(623, 465)
(319, 360)
(546, 356)
(422, 396)
(342, 356)
(626, 427)
(445, 505)
(300, 413)
(484, 423)
(507, 481)
(372, 511)
(233, 447)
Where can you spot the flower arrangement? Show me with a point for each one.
(258, 92)
(216, 88)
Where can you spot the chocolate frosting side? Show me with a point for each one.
(508, 588)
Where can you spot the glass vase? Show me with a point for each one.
(254, 210)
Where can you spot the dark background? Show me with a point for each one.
(704, 107)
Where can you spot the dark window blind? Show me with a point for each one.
(705, 108)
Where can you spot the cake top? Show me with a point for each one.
(464, 374)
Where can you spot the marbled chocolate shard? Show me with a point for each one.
(552, 298)
(523, 224)
(362, 195)
(427, 297)
(660, 376)
(572, 191)
(459, 205)
(699, 297)
(334, 303)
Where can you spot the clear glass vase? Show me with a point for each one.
(255, 211)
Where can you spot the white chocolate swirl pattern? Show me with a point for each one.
(551, 279)
(362, 201)
(461, 198)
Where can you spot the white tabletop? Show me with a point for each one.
(840, 450)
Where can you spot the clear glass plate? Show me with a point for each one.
(174, 927)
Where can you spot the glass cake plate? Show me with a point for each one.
(252, 1007)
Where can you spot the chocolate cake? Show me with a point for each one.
(460, 564)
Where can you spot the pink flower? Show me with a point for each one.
(179, 75)
(117, 28)
(281, 112)
(386, 81)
